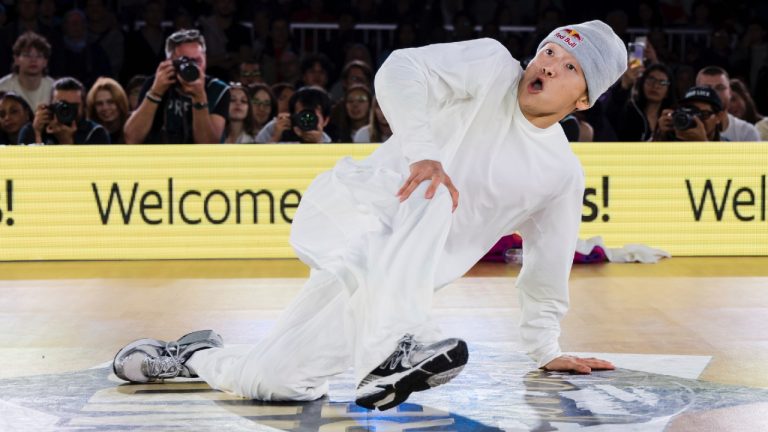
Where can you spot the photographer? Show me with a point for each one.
(180, 104)
(310, 109)
(698, 117)
(62, 121)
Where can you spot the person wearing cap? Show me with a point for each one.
(476, 153)
(699, 116)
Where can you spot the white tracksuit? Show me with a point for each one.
(376, 262)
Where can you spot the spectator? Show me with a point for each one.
(29, 79)
(377, 130)
(263, 106)
(734, 129)
(283, 92)
(74, 56)
(289, 67)
(133, 90)
(463, 26)
(743, 107)
(228, 41)
(27, 20)
(685, 78)
(149, 40)
(316, 70)
(704, 113)
(352, 112)
(104, 31)
(15, 112)
(107, 105)
(249, 72)
(314, 12)
(173, 110)
(63, 122)
(354, 72)
(278, 43)
(46, 14)
(634, 114)
(240, 124)
(337, 45)
(309, 105)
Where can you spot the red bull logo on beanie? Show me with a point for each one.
(571, 37)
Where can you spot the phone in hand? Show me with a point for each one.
(636, 51)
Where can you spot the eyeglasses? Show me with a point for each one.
(250, 74)
(705, 114)
(29, 55)
(185, 36)
(259, 102)
(653, 81)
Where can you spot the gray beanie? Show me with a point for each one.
(601, 54)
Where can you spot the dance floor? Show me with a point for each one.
(689, 337)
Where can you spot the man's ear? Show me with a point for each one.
(582, 103)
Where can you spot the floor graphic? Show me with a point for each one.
(498, 390)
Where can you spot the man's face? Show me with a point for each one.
(552, 84)
(718, 83)
(72, 97)
(250, 73)
(316, 75)
(194, 51)
(30, 62)
(707, 116)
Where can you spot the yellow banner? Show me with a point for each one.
(237, 201)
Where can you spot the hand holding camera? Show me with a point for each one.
(282, 124)
(688, 126)
(165, 77)
(306, 124)
(59, 119)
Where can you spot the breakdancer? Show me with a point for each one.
(381, 235)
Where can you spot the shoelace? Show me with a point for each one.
(165, 366)
(404, 349)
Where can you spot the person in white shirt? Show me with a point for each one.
(30, 61)
(382, 234)
(734, 128)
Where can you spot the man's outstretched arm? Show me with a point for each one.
(549, 242)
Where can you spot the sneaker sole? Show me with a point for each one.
(200, 336)
(430, 373)
(133, 345)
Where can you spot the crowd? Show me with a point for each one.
(81, 73)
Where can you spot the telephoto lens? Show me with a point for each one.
(305, 120)
(186, 69)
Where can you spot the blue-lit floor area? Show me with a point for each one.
(498, 390)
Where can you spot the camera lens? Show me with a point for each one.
(305, 120)
(186, 69)
(682, 119)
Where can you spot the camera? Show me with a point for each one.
(65, 112)
(683, 118)
(186, 69)
(305, 120)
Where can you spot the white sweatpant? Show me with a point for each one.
(373, 263)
